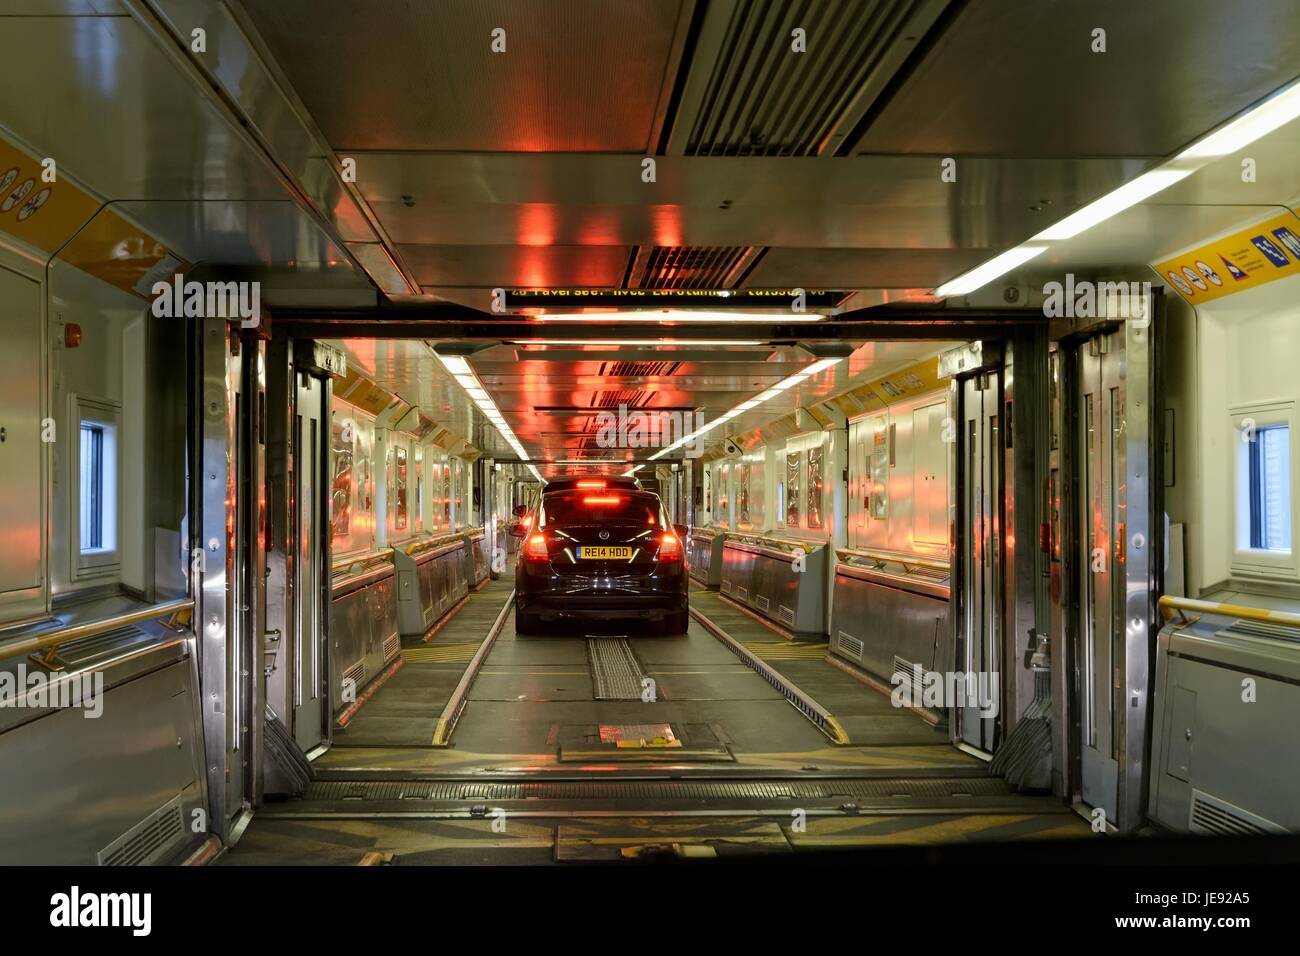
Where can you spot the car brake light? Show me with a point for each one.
(670, 549)
(536, 548)
(591, 484)
(604, 500)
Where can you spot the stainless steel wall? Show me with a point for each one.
(126, 786)
(898, 477)
(363, 633)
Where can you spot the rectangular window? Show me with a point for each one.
(96, 507)
(1269, 468)
(1263, 478)
(400, 521)
(815, 488)
(93, 500)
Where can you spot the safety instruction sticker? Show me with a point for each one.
(1244, 260)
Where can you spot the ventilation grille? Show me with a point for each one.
(149, 840)
(725, 587)
(615, 672)
(764, 99)
(631, 397)
(634, 370)
(905, 672)
(850, 646)
(392, 644)
(1212, 815)
(742, 593)
(1274, 632)
(762, 603)
(786, 615)
(690, 267)
(356, 673)
(88, 650)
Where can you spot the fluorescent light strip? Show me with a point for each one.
(983, 274)
(684, 317)
(465, 377)
(608, 342)
(1229, 138)
(1244, 130)
(1130, 194)
(777, 389)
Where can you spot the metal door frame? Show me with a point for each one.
(229, 652)
(1140, 372)
(992, 491)
(310, 673)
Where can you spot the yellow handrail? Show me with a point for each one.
(896, 557)
(341, 564)
(1169, 606)
(51, 640)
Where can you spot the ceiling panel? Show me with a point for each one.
(78, 88)
(863, 268)
(1140, 235)
(1019, 78)
(490, 267)
(239, 233)
(575, 75)
(429, 180)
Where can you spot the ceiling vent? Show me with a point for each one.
(763, 98)
(636, 370)
(690, 267)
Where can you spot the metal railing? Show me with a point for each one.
(1171, 606)
(908, 561)
(178, 611)
(366, 558)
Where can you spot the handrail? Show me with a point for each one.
(756, 540)
(50, 641)
(342, 564)
(896, 557)
(422, 544)
(1170, 605)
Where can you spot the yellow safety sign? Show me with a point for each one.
(45, 211)
(1246, 259)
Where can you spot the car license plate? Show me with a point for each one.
(602, 553)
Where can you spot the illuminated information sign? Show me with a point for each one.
(807, 300)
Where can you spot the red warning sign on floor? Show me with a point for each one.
(1246, 259)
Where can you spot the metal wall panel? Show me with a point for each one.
(84, 783)
(22, 454)
(891, 622)
(1210, 751)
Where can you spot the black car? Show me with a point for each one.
(600, 551)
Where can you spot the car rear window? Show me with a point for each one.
(585, 507)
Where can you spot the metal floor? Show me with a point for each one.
(534, 774)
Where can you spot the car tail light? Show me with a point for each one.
(602, 500)
(670, 548)
(591, 484)
(535, 549)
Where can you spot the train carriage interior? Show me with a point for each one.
(947, 348)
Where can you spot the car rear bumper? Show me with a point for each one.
(602, 607)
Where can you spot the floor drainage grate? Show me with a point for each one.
(615, 672)
(939, 790)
